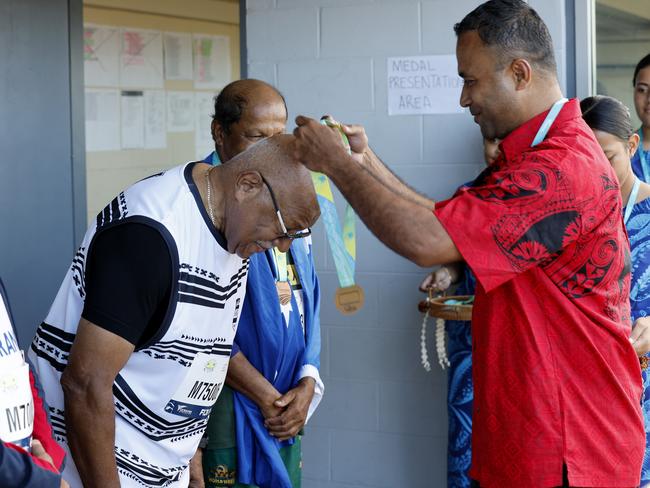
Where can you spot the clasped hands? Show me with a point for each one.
(284, 417)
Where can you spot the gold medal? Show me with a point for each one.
(284, 291)
(349, 300)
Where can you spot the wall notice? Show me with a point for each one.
(424, 85)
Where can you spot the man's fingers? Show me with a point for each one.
(64, 484)
(640, 326)
(39, 452)
(285, 399)
(285, 434)
(37, 448)
(426, 283)
(640, 337)
(352, 130)
(302, 120)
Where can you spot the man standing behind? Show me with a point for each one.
(253, 433)
(557, 382)
(135, 348)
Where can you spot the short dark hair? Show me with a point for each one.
(607, 114)
(644, 63)
(230, 103)
(514, 28)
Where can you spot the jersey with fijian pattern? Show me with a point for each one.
(153, 445)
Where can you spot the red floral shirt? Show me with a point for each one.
(556, 379)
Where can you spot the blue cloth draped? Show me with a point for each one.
(460, 394)
(278, 351)
(638, 229)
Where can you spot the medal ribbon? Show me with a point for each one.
(631, 200)
(342, 242)
(643, 156)
(281, 264)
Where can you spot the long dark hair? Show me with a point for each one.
(607, 114)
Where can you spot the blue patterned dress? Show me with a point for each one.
(460, 394)
(637, 168)
(638, 229)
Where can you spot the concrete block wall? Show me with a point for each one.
(383, 420)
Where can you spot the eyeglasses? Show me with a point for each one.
(285, 234)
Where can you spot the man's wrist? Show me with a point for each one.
(308, 383)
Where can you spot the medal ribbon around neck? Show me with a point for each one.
(282, 284)
(342, 242)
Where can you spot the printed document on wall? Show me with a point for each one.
(101, 55)
(204, 107)
(180, 111)
(132, 109)
(424, 85)
(102, 120)
(141, 59)
(155, 129)
(211, 61)
(178, 56)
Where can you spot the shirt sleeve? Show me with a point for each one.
(512, 219)
(18, 469)
(128, 281)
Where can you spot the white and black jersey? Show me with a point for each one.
(164, 393)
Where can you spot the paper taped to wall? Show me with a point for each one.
(101, 55)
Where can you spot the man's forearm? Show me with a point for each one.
(243, 377)
(90, 426)
(408, 228)
(380, 171)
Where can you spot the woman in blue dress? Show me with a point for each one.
(460, 389)
(641, 84)
(610, 121)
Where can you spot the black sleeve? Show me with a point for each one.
(128, 281)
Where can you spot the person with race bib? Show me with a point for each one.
(135, 348)
(610, 121)
(641, 84)
(29, 455)
(273, 382)
(557, 383)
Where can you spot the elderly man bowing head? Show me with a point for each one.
(135, 348)
(252, 438)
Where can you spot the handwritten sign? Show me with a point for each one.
(424, 85)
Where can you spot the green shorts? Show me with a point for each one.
(220, 455)
(220, 466)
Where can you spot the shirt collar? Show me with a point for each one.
(213, 159)
(520, 139)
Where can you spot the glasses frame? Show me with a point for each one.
(285, 233)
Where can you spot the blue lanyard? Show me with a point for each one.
(643, 157)
(632, 200)
(548, 121)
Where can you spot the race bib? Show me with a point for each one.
(16, 406)
(200, 388)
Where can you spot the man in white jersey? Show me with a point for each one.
(135, 348)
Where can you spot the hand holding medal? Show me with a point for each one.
(349, 296)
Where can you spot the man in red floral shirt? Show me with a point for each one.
(557, 382)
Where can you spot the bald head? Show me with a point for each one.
(245, 112)
(290, 181)
(238, 96)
